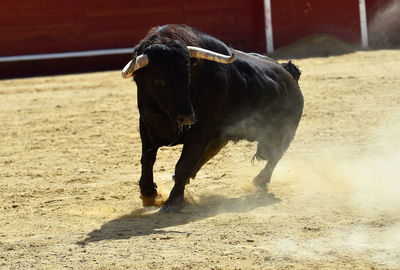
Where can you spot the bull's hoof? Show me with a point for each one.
(172, 206)
(260, 184)
(153, 200)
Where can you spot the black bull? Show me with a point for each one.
(205, 98)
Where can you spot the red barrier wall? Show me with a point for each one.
(293, 19)
(374, 6)
(30, 27)
(47, 26)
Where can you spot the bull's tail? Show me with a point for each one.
(292, 69)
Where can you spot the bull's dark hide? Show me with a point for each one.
(203, 104)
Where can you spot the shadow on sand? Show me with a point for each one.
(148, 221)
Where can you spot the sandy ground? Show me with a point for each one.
(69, 169)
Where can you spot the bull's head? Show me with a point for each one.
(162, 72)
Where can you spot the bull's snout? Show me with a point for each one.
(186, 120)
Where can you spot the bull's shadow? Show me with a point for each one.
(147, 222)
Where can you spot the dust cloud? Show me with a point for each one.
(369, 176)
(365, 182)
(366, 178)
(351, 180)
(384, 28)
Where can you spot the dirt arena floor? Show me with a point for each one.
(69, 170)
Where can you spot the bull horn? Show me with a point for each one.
(196, 52)
(139, 62)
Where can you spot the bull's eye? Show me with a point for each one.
(159, 82)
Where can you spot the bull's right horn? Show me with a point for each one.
(139, 62)
(196, 52)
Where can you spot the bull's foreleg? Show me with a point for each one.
(213, 147)
(190, 157)
(148, 189)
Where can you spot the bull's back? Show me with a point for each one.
(262, 82)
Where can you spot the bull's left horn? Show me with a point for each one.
(196, 52)
(139, 62)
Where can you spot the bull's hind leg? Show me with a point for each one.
(264, 177)
(271, 150)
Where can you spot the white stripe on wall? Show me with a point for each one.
(65, 55)
(268, 26)
(363, 23)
